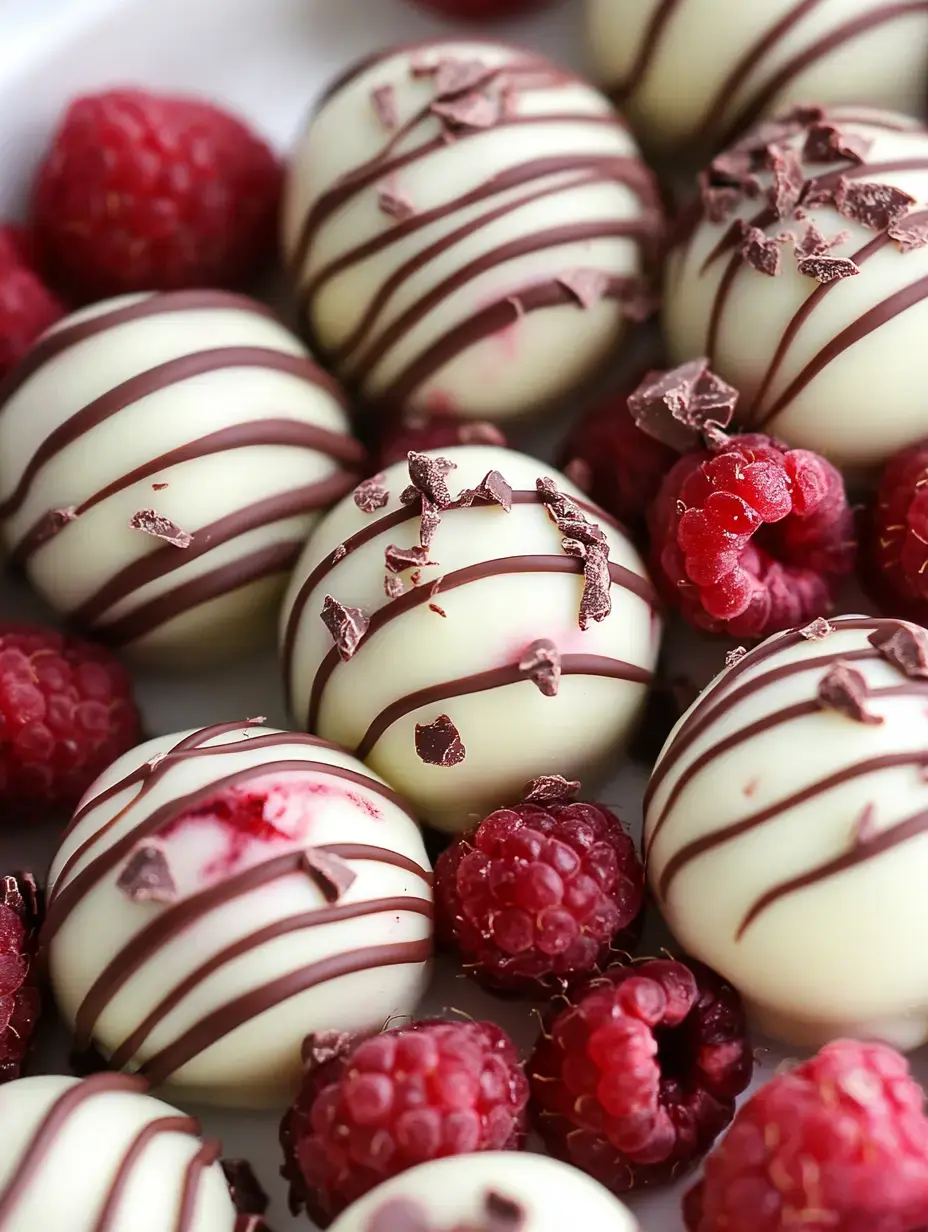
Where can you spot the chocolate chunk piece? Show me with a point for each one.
(826, 143)
(788, 181)
(492, 490)
(845, 690)
(147, 877)
(53, 522)
(383, 100)
(394, 202)
(550, 789)
(331, 874)
(392, 586)
(324, 1046)
(735, 656)
(825, 269)
(399, 559)
(761, 252)
(473, 111)
(247, 1195)
(910, 232)
(587, 286)
(439, 743)
(596, 602)
(427, 476)
(818, 630)
(877, 206)
(677, 406)
(346, 624)
(153, 523)
(904, 647)
(371, 495)
(453, 76)
(541, 663)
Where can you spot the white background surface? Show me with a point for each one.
(269, 59)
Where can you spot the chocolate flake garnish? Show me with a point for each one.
(904, 648)
(146, 877)
(910, 235)
(550, 789)
(845, 690)
(719, 200)
(877, 206)
(54, 521)
(429, 521)
(158, 487)
(826, 269)
(814, 244)
(585, 540)
(818, 630)
(324, 1046)
(383, 100)
(339, 554)
(865, 827)
(473, 111)
(330, 873)
(346, 624)
(676, 407)
(825, 143)
(541, 663)
(398, 559)
(453, 77)
(491, 490)
(596, 603)
(427, 476)
(587, 286)
(394, 202)
(761, 252)
(371, 495)
(788, 181)
(392, 586)
(160, 527)
(735, 656)
(440, 611)
(439, 743)
(248, 1197)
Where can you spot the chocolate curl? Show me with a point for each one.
(679, 406)
(146, 876)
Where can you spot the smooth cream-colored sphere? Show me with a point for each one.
(692, 74)
(223, 893)
(786, 831)
(434, 665)
(79, 1156)
(468, 228)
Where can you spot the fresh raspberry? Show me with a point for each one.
(406, 436)
(27, 307)
(18, 247)
(635, 1079)
(838, 1144)
(395, 1100)
(66, 712)
(751, 538)
(145, 192)
(480, 10)
(894, 547)
(20, 1001)
(535, 898)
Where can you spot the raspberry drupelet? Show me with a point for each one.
(894, 545)
(838, 1144)
(20, 1000)
(751, 537)
(535, 898)
(637, 1076)
(369, 1110)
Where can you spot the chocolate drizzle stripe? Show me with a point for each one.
(64, 339)
(887, 840)
(56, 1119)
(495, 678)
(146, 1135)
(222, 1022)
(502, 567)
(154, 381)
(130, 1047)
(205, 1157)
(647, 50)
(710, 842)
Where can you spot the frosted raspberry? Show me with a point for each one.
(838, 1144)
(894, 546)
(20, 1001)
(368, 1111)
(752, 538)
(635, 1079)
(66, 712)
(415, 435)
(535, 898)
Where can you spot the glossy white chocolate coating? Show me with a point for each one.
(835, 368)
(120, 1147)
(511, 731)
(765, 855)
(691, 74)
(458, 308)
(252, 955)
(200, 406)
(452, 1193)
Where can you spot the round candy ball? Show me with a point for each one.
(469, 622)
(786, 830)
(488, 1191)
(85, 1155)
(693, 74)
(468, 227)
(223, 893)
(162, 459)
(802, 273)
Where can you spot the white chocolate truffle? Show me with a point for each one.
(786, 831)
(467, 226)
(84, 1155)
(478, 1191)
(462, 670)
(220, 894)
(827, 352)
(693, 74)
(162, 459)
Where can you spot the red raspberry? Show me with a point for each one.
(143, 192)
(20, 1001)
(406, 436)
(27, 309)
(894, 548)
(480, 10)
(18, 247)
(838, 1144)
(635, 1079)
(66, 712)
(535, 898)
(395, 1100)
(751, 539)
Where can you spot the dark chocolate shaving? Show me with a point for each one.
(491, 490)
(429, 522)
(909, 234)
(439, 743)
(676, 407)
(346, 624)
(440, 611)
(398, 559)
(53, 522)
(394, 202)
(453, 77)
(146, 876)
(876, 206)
(818, 630)
(585, 540)
(904, 647)
(330, 873)
(788, 181)
(158, 487)
(843, 689)
(814, 244)
(826, 269)
(541, 663)
(472, 111)
(339, 554)
(587, 286)
(371, 495)
(719, 200)
(383, 100)
(324, 1046)
(550, 789)
(393, 586)
(153, 523)
(248, 1197)
(761, 252)
(826, 143)
(427, 476)
(596, 603)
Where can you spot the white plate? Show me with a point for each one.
(268, 59)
